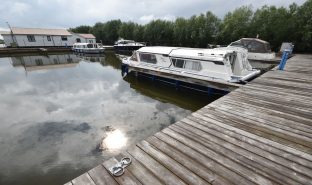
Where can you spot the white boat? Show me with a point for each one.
(128, 45)
(88, 48)
(227, 64)
(258, 50)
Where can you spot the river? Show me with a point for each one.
(63, 114)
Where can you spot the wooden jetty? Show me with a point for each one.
(260, 133)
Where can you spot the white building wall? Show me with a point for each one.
(7, 40)
(42, 40)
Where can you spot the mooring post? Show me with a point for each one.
(284, 59)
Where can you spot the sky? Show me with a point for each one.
(72, 13)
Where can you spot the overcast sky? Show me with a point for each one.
(71, 13)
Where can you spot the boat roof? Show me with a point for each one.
(157, 49)
(253, 39)
(191, 52)
(85, 43)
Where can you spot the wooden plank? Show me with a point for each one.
(276, 97)
(267, 141)
(230, 164)
(205, 160)
(253, 145)
(162, 173)
(279, 137)
(275, 113)
(139, 171)
(266, 151)
(188, 162)
(126, 179)
(266, 118)
(183, 173)
(248, 117)
(274, 89)
(253, 161)
(101, 176)
(83, 179)
(277, 107)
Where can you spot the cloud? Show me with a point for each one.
(71, 13)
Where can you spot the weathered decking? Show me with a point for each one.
(260, 133)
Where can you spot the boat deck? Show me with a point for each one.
(260, 133)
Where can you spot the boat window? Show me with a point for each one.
(90, 45)
(178, 63)
(78, 40)
(149, 58)
(187, 64)
(49, 38)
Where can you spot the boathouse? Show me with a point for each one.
(43, 37)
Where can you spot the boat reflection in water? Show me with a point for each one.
(41, 62)
(89, 57)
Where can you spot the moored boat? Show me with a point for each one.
(258, 50)
(219, 65)
(88, 48)
(127, 45)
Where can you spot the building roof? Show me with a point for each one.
(86, 35)
(37, 31)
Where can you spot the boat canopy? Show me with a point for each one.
(194, 53)
(202, 54)
(253, 45)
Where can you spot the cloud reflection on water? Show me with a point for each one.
(55, 119)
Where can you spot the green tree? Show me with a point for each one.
(81, 29)
(159, 32)
(272, 24)
(235, 25)
(126, 30)
(303, 23)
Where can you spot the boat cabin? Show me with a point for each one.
(227, 64)
(88, 47)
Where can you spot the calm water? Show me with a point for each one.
(64, 114)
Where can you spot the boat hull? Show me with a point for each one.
(178, 79)
(93, 51)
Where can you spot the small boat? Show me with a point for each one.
(258, 50)
(128, 45)
(88, 48)
(220, 65)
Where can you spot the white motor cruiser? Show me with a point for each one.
(88, 48)
(228, 64)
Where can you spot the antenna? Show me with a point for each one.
(12, 35)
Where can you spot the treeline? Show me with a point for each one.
(270, 23)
